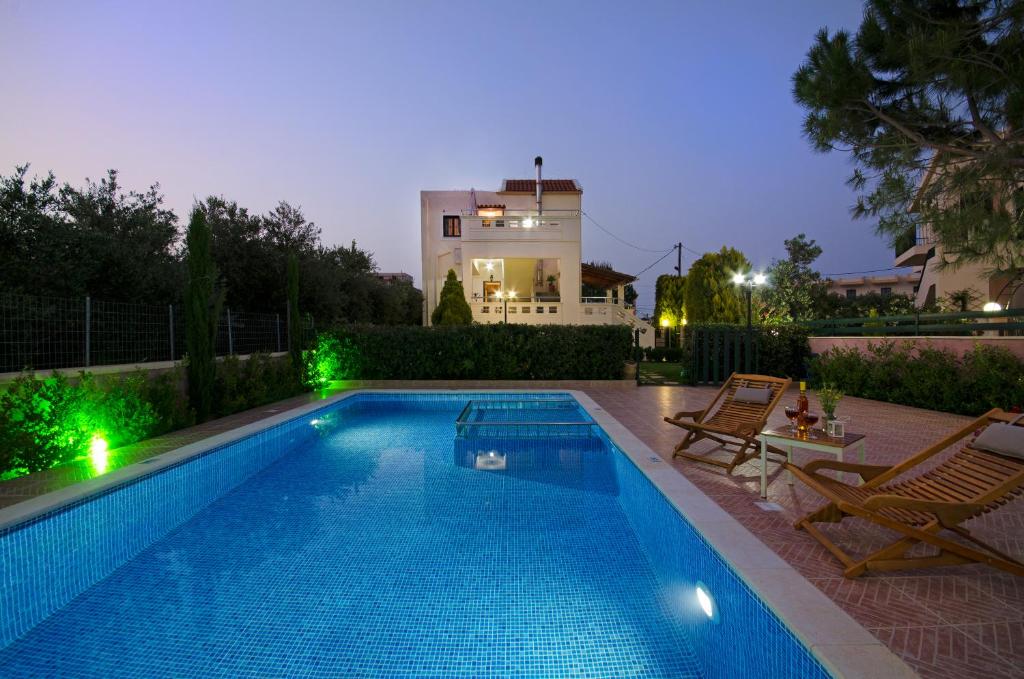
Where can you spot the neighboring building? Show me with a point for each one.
(517, 252)
(937, 281)
(891, 284)
(393, 277)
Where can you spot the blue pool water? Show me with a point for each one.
(369, 540)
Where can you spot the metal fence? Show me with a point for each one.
(1006, 323)
(46, 333)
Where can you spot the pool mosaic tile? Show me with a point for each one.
(366, 540)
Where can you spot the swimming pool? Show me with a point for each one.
(367, 538)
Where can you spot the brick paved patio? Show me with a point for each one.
(959, 621)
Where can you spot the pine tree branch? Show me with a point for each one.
(979, 123)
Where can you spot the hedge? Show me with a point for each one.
(482, 352)
(899, 372)
(46, 421)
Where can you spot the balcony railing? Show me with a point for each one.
(529, 311)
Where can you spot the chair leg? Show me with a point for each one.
(688, 440)
(830, 513)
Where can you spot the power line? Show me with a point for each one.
(624, 242)
(644, 270)
(850, 273)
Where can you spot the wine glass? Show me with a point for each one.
(811, 420)
(792, 412)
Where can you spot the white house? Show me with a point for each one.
(517, 252)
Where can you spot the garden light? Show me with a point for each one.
(99, 454)
(992, 307)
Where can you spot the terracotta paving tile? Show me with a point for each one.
(944, 652)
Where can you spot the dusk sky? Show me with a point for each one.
(677, 118)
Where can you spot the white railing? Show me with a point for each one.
(533, 312)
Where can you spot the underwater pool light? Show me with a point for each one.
(706, 605)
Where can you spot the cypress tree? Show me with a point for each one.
(294, 321)
(452, 308)
(203, 301)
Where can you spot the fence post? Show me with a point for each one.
(277, 322)
(170, 327)
(88, 324)
(231, 339)
(637, 354)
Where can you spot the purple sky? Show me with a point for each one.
(677, 118)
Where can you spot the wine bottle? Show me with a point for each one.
(801, 407)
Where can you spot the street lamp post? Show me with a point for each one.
(505, 299)
(748, 284)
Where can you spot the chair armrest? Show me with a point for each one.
(949, 513)
(866, 471)
(692, 414)
(752, 428)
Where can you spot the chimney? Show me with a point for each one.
(538, 161)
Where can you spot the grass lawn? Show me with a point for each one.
(661, 373)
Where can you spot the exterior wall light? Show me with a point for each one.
(992, 307)
(528, 223)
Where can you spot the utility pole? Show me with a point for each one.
(679, 259)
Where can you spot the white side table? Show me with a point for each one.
(787, 440)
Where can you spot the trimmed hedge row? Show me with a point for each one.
(50, 420)
(898, 372)
(483, 352)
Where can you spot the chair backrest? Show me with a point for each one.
(730, 412)
(978, 476)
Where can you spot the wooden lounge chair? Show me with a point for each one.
(731, 420)
(941, 498)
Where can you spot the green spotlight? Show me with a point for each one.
(99, 454)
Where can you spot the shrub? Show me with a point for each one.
(923, 376)
(258, 380)
(452, 307)
(490, 352)
(50, 421)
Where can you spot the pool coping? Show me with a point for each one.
(840, 643)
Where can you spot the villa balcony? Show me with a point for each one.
(914, 249)
(528, 310)
(519, 225)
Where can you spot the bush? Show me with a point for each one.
(488, 352)
(45, 422)
(50, 421)
(984, 378)
(256, 381)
